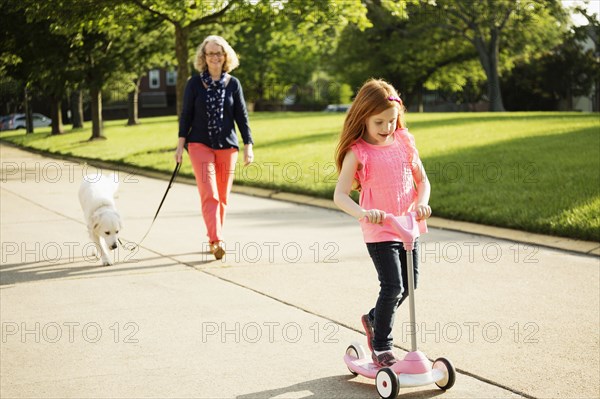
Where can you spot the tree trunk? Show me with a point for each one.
(569, 93)
(181, 51)
(596, 98)
(28, 114)
(96, 94)
(260, 88)
(494, 92)
(488, 56)
(77, 109)
(132, 104)
(420, 107)
(56, 115)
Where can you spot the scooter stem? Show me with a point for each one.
(408, 234)
(411, 300)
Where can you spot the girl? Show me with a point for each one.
(212, 102)
(377, 156)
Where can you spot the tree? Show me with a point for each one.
(283, 48)
(76, 107)
(556, 76)
(186, 16)
(404, 48)
(592, 30)
(150, 48)
(104, 36)
(39, 59)
(509, 28)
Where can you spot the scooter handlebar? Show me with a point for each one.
(407, 227)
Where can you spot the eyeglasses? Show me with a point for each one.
(211, 55)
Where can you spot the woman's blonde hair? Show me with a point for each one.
(231, 60)
(373, 98)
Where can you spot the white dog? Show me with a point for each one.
(97, 198)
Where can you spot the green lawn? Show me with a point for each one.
(532, 171)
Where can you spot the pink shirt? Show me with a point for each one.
(387, 182)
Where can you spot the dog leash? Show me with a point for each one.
(173, 176)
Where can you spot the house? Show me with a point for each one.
(157, 92)
(590, 103)
(157, 96)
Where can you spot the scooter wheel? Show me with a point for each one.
(356, 351)
(449, 371)
(387, 383)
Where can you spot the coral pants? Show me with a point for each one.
(214, 171)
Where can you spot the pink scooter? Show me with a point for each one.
(415, 369)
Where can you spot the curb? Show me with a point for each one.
(561, 243)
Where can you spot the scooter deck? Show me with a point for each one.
(364, 367)
(368, 369)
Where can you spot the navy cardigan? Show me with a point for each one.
(193, 123)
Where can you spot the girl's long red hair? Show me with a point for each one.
(372, 99)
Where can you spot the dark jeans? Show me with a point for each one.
(390, 261)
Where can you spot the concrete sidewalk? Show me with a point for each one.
(274, 318)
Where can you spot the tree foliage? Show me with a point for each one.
(38, 57)
(405, 49)
(283, 33)
(466, 48)
(105, 39)
(186, 16)
(555, 77)
(283, 48)
(501, 31)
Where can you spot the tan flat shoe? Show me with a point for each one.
(217, 250)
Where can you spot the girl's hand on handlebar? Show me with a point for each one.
(423, 212)
(374, 216)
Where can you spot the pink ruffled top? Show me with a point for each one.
(386, 179)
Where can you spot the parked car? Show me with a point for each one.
(337, 108)
(17, 121)
(4, 121)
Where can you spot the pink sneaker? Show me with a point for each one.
(368, 326)
(385, 359)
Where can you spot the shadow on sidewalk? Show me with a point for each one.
(15, 273)
(342, 386)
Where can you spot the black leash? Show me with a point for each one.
(173, 176)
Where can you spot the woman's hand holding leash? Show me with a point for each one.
(179, 150)
(248, 154)
(178, 155)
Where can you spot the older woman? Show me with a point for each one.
(212, 102)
